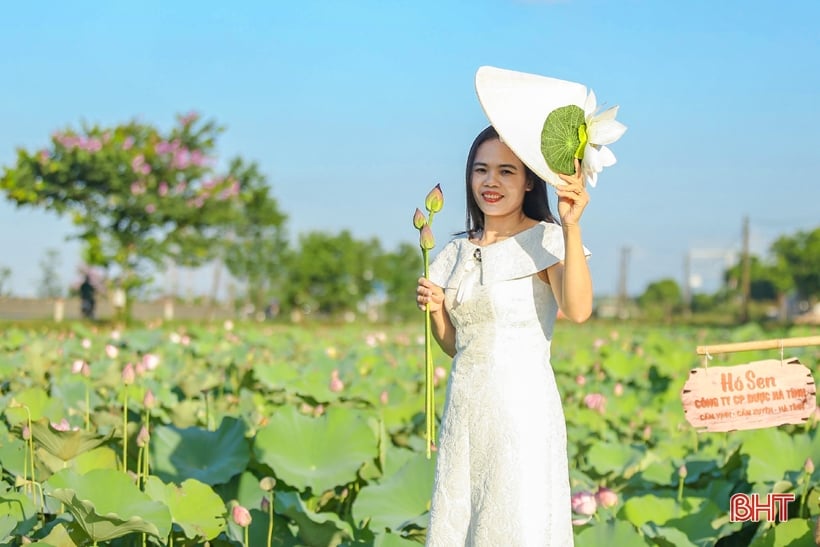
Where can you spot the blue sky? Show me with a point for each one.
(354, 110)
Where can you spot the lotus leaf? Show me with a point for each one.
(18, 508)
(650, 508)
(66, 444)
(316, 453)
(400, 498)
(314, 528)
(194, 507)
(37, 401)
(107, 505)
(613, 532)
(773, 452)
(791, 533)
(211, 457)
(610, 458)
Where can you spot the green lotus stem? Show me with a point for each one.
(680, 488)
(125, 430)
(270, 519)
(87, 407)
(246, 536)
(429, 399)
(139, 467)
(803, 509)
(30, 442)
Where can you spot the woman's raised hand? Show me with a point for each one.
(573, 197)
(429, 292)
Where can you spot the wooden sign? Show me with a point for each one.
(751, 396)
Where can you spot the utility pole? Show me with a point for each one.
(622, 296)
(687, 282)
(745, 276)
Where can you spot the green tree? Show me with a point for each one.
(798, 258)
(330, 274)
(663, 296)
(255, 249)
(138, 196)
(50, 284)
(398, 272)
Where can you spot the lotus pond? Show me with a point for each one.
(273, 435)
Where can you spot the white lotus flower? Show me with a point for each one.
(602, 129)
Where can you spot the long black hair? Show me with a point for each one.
(536, 203)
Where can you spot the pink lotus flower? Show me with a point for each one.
(241, 516)
(434, 200)
(149, 401)
(580, 380)
(111, 351)
(77, 366)
(162, 189)
(336, 384)
(383, 398)
(128, 143)
(439, 374)
(150, 361)
(185, 340)
(606, 498)
(584, 503)
(150, 208)
(63, 425)
(426, 239)
(86, 343)
(418, 219)
(128, 374)
(143, 437)
(595, 401)
(318, 410)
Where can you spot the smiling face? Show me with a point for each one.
(498, 180)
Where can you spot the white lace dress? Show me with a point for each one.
(502, 476)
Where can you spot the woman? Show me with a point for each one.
(501, 474)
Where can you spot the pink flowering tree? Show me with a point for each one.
(137, 195)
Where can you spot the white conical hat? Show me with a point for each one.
(517, 105)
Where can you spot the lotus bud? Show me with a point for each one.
(128, 374)
(584, 503)
(111, 351)
(264, 505)
(434, 200)
(267, 484)
(150, 361)
(241, 516)
(336, 384)
(682, 471)
(808, 466)
(86, 343)
(418, 219)
(426, 239)
(619, 389)
(149, 401)
(25, 433)
(606, 497)
(77, 366)
(384, 398)
(143, 437)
